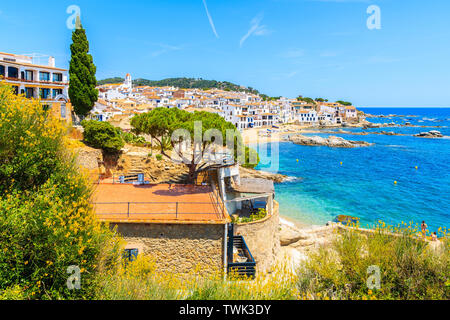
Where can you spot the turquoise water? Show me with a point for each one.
(363, 185)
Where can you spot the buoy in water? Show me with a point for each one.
(342, 163)
(395, 182)
(417, 168)
(298, 160)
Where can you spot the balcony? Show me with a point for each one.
(37, 81)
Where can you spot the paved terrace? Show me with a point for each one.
(158, 203)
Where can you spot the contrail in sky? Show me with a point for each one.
(211, 22)
(255, 29)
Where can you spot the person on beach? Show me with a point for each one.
(434, 236)
(424, 228)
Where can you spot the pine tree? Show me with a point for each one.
(82, 91)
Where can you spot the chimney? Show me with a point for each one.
(51, 62)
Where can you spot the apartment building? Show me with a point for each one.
(46, 83)
(307, 117)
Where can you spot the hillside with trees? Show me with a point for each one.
(186, 83)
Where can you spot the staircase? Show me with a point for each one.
(240, 252)
(136, 166)
(181, 179)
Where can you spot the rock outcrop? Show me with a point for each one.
(290, 235)
(251, 173)
(430, 134)
(332, 141)
(298, 242)
(370, 125)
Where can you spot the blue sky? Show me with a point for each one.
(317, 48)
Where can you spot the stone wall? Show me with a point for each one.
(177, 248)
(263, 239)
(89, 158)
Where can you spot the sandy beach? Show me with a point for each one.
(262, 135)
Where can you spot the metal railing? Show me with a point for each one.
(121, 179)
(216, 197)
(148, 209)
(61, 83)
(243, 269)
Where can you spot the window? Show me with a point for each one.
(2, 71)
(57, 92)
(29, 93)
(130, 255)
(57, 77)
(44, 76)
(13, 72)
(44, 93)
(63, 110)
(45, 107)
(29, 75)
(16, 89)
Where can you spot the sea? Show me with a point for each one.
(398, 179)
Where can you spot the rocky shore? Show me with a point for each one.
(332, 141)
(367, 115)
(371, 125)
(251, 173)
(365, 133)
(430, 134)
(298, 241)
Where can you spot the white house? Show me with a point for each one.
(350, 112)
(307, 117)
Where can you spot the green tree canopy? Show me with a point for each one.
(344, 103)
(306, 99)
(103, 135)
(163, 123)
(82, 91)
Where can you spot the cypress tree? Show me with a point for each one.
(82, 91)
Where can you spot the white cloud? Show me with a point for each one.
(255, 29)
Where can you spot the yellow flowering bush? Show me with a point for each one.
(410, 268)
(46, 219)
(141, 280)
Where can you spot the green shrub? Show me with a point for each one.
(29, 142)
(251, 158)
(102, 135)
(46, 220)
(133, 139)
(159, 157)
(261, 214)
(410, 268)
